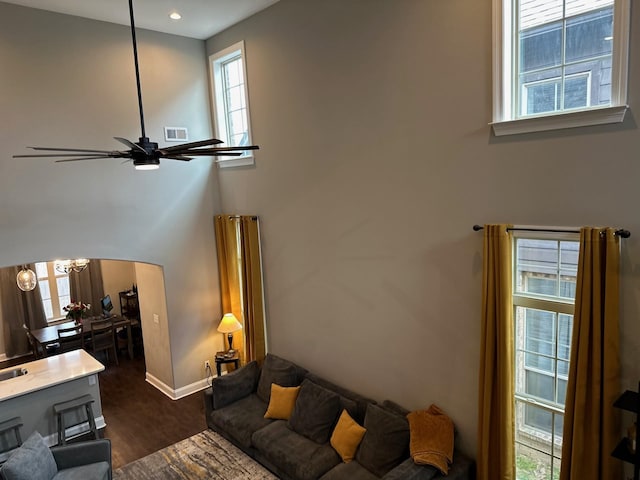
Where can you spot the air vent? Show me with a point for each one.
(176, 134)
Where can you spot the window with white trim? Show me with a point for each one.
(545, 270)
(559, 63)
(231, 103)
(54, 290)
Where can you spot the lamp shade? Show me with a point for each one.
(229, 324)
(26, 279)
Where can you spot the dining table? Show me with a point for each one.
(49, 335)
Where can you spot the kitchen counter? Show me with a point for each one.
(48, 381)
(48, 372)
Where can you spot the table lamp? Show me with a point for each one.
(228, 325)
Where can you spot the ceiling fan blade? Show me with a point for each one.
(39, 155)
(215, 154)
(130, 144)
(216, 149)
(179, 157)
(84, 150)
(81, 158)
(187, 146)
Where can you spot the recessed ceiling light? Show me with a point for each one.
(175, 16)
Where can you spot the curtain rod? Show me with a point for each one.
(620, 232)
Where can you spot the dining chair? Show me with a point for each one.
(71, 338)
(103, 338)
(38, 351)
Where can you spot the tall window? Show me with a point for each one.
(54, 290)
(543, 298)
(557, 57)
(230, 101)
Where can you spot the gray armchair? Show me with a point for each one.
(34, 460)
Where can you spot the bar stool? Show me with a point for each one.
(76, 404)
(7, 426)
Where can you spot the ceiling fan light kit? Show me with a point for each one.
(144, 154)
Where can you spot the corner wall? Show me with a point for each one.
(376, 159)
(69, 82)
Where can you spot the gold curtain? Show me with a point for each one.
(591, 427)
(496, 437)
(87, 286)
(241, 289)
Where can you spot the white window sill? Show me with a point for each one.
(584, 118)
(247, 161)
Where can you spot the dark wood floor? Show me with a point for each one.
(140, 419)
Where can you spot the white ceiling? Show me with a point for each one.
(200, 18)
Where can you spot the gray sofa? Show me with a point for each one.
(299, 448)
(89, 460)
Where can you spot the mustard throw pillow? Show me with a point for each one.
(282, 401)
(346, 437)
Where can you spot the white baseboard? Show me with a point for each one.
(176, 394)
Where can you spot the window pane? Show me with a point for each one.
(237, 123)
(562, 391)
(539, 259)
(235, 98)
(576, 91)
(233, 73)
(48, 309)
(41, 270)
(45, 292)
(539, 362)
(589, 35)
(531, 464)
(64, 300)
(540, 385)
(541, 47)
(63, 286)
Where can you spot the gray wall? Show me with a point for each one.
(376, 160)
(69, 82)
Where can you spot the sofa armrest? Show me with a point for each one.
(208, 401)
(235, 385)
(408, 470)
(83, 453)
(462, 468)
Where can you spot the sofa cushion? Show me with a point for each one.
(346, 437)
(353, 402)
(280, 371)
(297, 456)
(351, 471)
(282, 401)
(31, 461)
(235, 385)
(93, 471)
(386, 442)
(315, 412)
(240, 419)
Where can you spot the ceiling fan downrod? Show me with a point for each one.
(143, 137)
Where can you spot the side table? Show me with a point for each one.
(220, 360)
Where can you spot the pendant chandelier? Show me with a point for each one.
(26, 279)
(68, 266)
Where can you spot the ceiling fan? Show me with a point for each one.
(144, 153)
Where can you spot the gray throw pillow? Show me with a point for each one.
(234, 386)
(316, 412)
(279, 371)
(386, 441)
(32, 461)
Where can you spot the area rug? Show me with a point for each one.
(204, 456)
